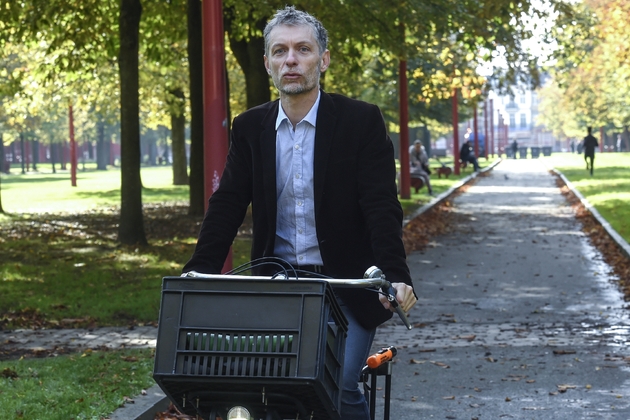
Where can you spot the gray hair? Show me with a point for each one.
(289, 16)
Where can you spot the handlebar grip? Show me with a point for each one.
(384, 355)
(391, 297)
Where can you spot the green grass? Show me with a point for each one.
(43, 191)
(608, 190)
(89, 385)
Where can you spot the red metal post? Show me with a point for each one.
(405, 178)
(73, 150)
(215, 123)
(455, 134)
(491, 128)
(485, 129)
(476, 128)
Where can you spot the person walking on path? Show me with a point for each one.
(319, 172)
(590, 143)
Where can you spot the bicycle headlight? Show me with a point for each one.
(238, 413)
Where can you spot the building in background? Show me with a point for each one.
(515, 115)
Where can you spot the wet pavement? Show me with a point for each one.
(518, 316)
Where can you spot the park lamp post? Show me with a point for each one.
(215, 122)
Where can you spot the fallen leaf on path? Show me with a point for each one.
(564, 352)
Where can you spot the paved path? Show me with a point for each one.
(518, 317)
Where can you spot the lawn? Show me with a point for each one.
(60, 266)
(608, 190)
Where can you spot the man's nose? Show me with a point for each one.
(291, 57)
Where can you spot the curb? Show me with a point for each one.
(144, 407)
(450, 191)
(623, 245)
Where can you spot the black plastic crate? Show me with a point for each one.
(230, 339)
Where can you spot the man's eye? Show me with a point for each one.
(278, 51)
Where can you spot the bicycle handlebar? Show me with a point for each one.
(373, 278)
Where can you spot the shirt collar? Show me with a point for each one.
(311, 117)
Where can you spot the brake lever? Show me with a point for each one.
(390, 293)
(388, 290)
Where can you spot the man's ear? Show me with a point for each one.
(266, 64)
(325, 61)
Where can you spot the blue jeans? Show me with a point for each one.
(358, 344)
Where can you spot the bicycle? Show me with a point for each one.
(218, 358)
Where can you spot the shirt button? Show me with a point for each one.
(299, 230)
(301, 258)
(297, 176)
(297, 147)
(299, 203)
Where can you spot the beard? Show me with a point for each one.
(308, 82)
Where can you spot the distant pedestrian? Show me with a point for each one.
(619, 142)
(514, 148)
(572, 146)
(590, 143)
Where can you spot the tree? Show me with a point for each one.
(131, 228)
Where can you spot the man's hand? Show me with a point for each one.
(404, 295)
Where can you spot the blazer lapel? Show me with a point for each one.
(324, 136)
(268, 151)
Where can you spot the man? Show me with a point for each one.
(466, 155)
(420, 164)
(590, 143)
(319, 172)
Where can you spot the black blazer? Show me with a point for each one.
(357, 213)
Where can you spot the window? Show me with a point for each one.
(523, 99)
(523, 121)
(512, 120)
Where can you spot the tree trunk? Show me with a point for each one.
(3, 163)
(23, 153)
(131, 228)
(178, 136)
(3, 157)
(626, 138)
(53, 155)
(101, 152)
(249, 54)
(195, 63)
(35, 153)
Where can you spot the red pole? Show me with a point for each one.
(405, 178)
(476, 128)
(485, 129)
(455, 134)
(215, 123)
(491, 128)
(73, 150)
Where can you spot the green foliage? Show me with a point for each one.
(592, 64)
(89, 385)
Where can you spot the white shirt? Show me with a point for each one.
(296, 237)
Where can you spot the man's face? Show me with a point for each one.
(293, 59)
